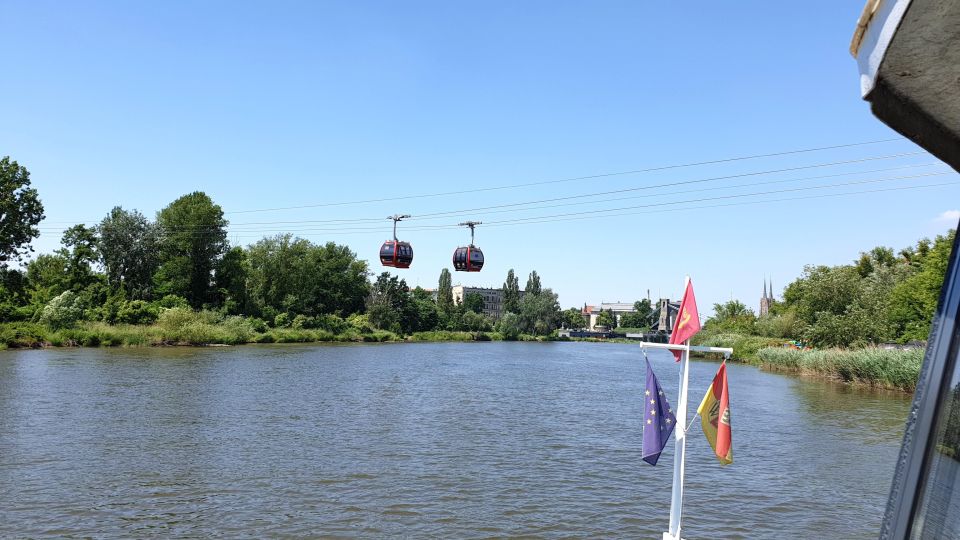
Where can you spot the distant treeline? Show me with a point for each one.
(128, 269)
(882, 297)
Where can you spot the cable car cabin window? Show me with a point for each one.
(386, 253)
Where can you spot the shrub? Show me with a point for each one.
(332, 323)
(302, 321)
(360, 323)
(22, 335)
(509, 326)
(258, 325)
(137, 312)
(744, 347)
(173, 320)
(282, 320)
(171, 301)
(62, 312)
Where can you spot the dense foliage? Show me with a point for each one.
(881, 297)
(20, 211)
(179, 275)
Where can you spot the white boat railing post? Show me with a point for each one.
(680, 428)
(680, 431)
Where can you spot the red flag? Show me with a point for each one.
(688, 319)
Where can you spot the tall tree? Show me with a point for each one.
(80, 249)
(473, 302)
(533, 284)
(194, 239)
(540, 313)
(292, 275)
(231, 280)
(128, 248)
(573, 318)
(914, 300)
(445, 293)
(47, 277)
(390, 305)
(511, 293)
(20, 211)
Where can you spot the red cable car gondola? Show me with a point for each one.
(394, 252)
(468, 258)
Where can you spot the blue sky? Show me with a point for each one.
(281, 104)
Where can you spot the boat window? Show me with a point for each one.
(939, 515)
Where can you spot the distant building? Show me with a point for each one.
(492, 299)
(765, 300)
(617, 309)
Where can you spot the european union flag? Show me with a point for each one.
(658, 419)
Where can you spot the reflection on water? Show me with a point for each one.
(451, 440)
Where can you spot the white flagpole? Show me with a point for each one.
(680, 432)
(680, 429)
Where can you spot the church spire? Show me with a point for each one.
(771, 289)
(764, 288)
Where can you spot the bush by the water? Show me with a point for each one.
(744, 347)
(872, 366)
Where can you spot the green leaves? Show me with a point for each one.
(194, 238)
(128, 247)
(20, 211)
(286, 274)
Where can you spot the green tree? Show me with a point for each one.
(13, 294)
(47, 277)
(426, 310)
(540, 313)
(231, 281)
(292, 275)
(606, 318)
(445, 293)
(510, 326)
(573, 319)
(511, 293)
(473, 302)
(533, 284)
(822, 289)
(914, 300)
(63, 311)
(129, 252)
(20, 211)
(642, 317)
(194, 239)
(878, 257)
(80, 249)
(732, 316)
(390, 305)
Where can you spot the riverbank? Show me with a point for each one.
(871, 366)
(893, 369)
(867, 366)
(199, 333)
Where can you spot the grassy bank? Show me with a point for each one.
(196, 331)
(744, 347)
(870, 366)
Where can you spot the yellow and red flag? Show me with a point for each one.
(688, 320)
(714, 413)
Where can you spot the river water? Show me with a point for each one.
(421, 440)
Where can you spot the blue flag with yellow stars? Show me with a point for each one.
(658, 419)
